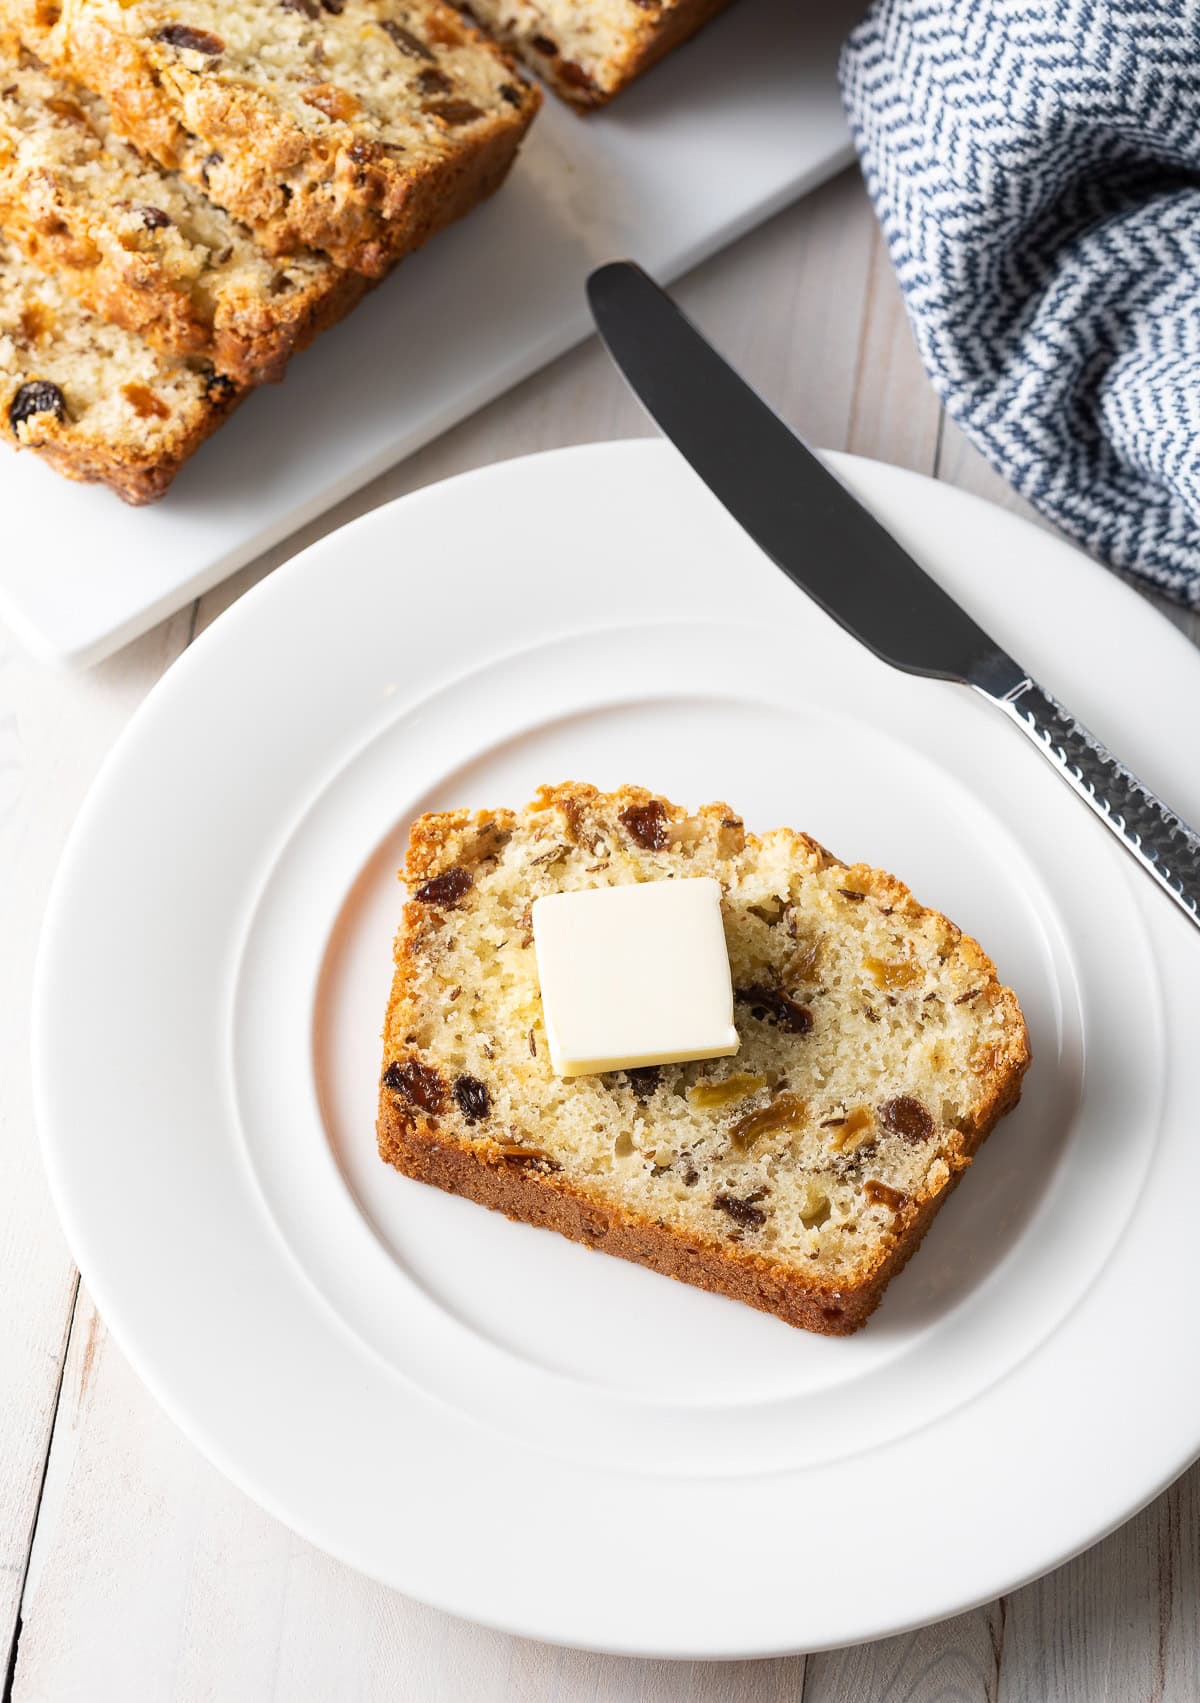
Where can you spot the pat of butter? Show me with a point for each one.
(634, 975)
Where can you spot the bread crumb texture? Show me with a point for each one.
(588, 50)
(94, 400)
(878, 1049)
(141, 246)
(354, 126)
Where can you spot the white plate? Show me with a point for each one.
(484, 1415)
(716, 139)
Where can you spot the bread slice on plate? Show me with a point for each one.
(878, 1049)
(359, 127)
(141, 246)
(95, 401)
(590, 51)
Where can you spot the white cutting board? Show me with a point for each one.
(731, 128)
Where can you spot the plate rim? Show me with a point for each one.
(281, 585)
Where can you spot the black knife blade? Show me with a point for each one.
(831, 547)
(785, 498)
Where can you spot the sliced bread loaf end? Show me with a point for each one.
(878, 1048)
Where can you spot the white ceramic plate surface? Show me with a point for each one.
(724, 133)
(482, 1414)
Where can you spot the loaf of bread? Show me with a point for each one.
(359, 127)
(877, 1051)
(588, 52)
(141, 246)
(96, 401)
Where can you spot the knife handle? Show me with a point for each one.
(1163, 843)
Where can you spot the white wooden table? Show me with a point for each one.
(129, 1569)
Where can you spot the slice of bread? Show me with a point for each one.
(141, 246)
(589, 51)
(359, 127)
(877, 1051)
(95, 401)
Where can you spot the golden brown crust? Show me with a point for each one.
(250, 339)
(526, 1191)
(363, 204)
(253, 340)
(136, 477)
(527, 1186)
(652, 34)
(140, 247)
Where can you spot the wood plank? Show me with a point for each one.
(1120, 1622)
(895, 415)
(957, 1659)
(54, 731)
(153, 1578)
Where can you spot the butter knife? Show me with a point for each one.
(823, 539)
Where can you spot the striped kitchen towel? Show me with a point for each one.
(1035, 165)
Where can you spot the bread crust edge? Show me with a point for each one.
(526, 1191)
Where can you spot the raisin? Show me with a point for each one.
(454, 112)
(335, 103)
(543, 44)
(511, 93)
(903, 973)
(406, 41)
(646, 825)
(966, 998)
(419, 1084)
(39, 396)
(443, 30)
(334, 7)
(772, 1005)
(907, 1118)
(445, 889)
(785, 1112)
(153, 218)
(218, 389)
(882, 1194)
(852, 894)
(306, 8)
(474, 1100)
(431, 81)
(744, 1212)
(516, 1153)
(36, 322)
(191, 40)
(69, 110)
(691, 1176)
(803, 966)
(726, 1091)
(644, 1079)
(575, 77)
(144, 403)
(856, 1130)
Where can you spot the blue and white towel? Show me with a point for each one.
(1035, 165)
